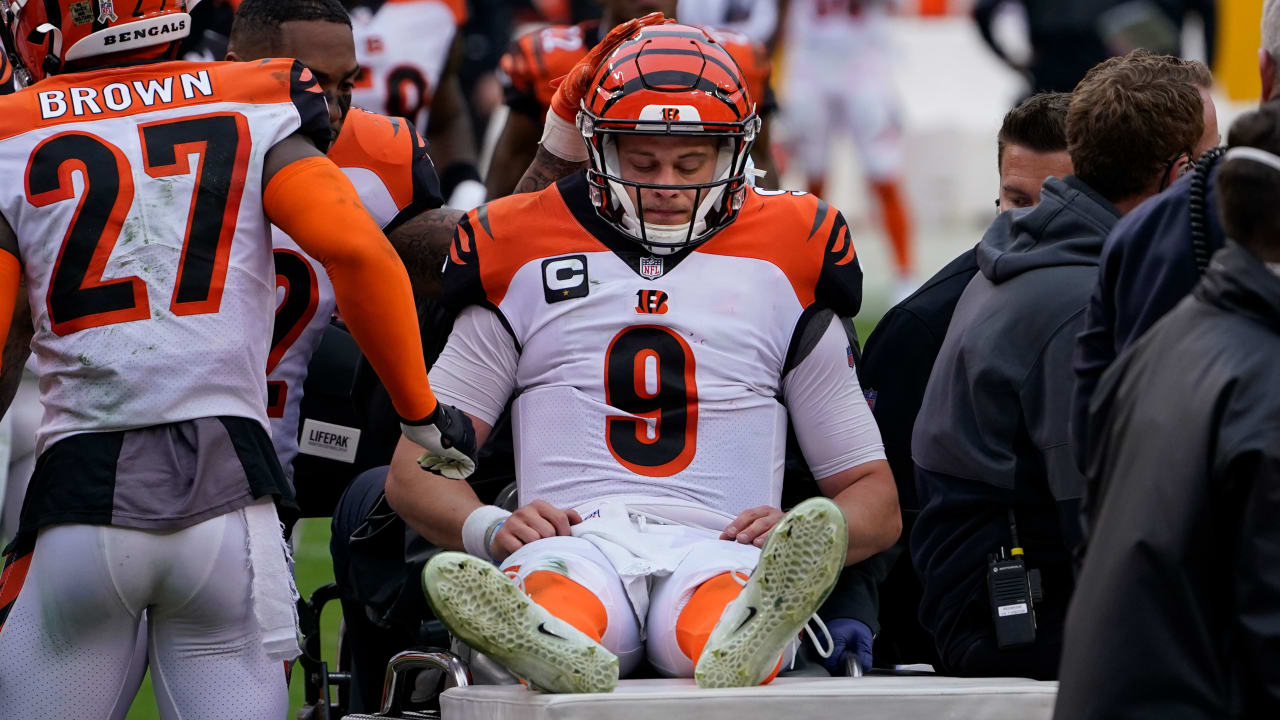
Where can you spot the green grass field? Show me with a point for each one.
(313, 568)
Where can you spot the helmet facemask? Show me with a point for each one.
(668, 81)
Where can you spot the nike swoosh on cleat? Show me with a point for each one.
(542, 628)
(751, 612)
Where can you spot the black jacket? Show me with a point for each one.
(1068, 38)
(894, 371)
(1177, 610)
(1147, 267)
(993, 431)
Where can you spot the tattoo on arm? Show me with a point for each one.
(423, 243)
(545, 169)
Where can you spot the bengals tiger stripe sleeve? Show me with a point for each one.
(314, 203)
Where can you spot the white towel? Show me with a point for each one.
(274, 593)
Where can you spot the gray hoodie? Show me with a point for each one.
(1006, 359)
(993, 430)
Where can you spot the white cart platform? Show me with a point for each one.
(867, 698)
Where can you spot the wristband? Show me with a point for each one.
(476, 530)
(563, 139)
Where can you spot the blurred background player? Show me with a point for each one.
(408, 52)
(756, 19)
(539, 57)
(838, 68)
(156, 487)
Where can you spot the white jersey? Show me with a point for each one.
(144, 246)
(639, 376)
(403, 48)
(756, 19)
(387, 162)
(829, 27)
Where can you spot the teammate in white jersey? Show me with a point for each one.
(139, 225)
(408, 52)
(839, 78)
(658, 327)
(386, 161)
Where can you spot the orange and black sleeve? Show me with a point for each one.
(314, 203)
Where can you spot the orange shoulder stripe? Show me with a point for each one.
(382, 145)
(122, 92)
(505, 240)
(791, 232)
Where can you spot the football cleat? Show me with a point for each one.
(798, 568)
(487, 610)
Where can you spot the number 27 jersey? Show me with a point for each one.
(137, 203)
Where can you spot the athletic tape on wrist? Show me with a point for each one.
(563, 139)
(475, 530)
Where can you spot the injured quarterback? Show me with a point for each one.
(655, 323)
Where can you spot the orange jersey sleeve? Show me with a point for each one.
(312, 201)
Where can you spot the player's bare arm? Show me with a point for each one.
(422, 244)
(869, 499)
(546, 168)
(433, 505)
(871, 511)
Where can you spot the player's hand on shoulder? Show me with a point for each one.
(752, 526)
(449, 440)
(539, 519)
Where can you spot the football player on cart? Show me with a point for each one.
(658, 328)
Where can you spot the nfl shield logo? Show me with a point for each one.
(107, 12)
(651, 267)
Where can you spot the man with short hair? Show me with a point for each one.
(650, 329)
(1177, 609)
(1158, 252)
(1032, 146)
(991, 443)
(899, 354)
